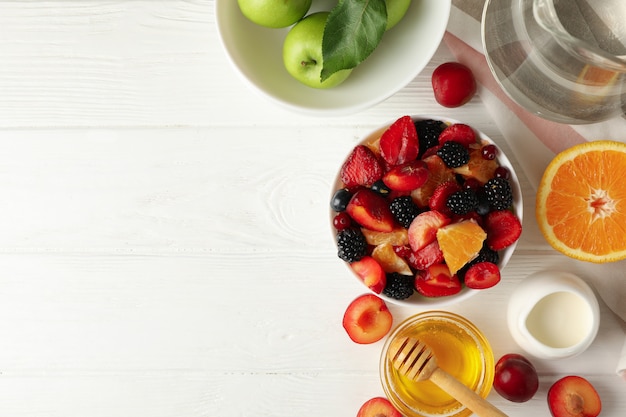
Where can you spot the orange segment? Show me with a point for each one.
(581, 202)
(478, 167)
(397, 237)
(439, 173)
(460, 243)
(389, 260)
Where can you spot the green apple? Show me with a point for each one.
(302, 53)
(396, 9)
(274, 13)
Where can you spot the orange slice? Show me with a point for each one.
(460, 243)
(397, 237)
(389, 260)
(478, 167)
(439, 173)
(581, 202)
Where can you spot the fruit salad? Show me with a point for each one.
(424, 209)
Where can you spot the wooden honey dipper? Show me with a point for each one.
(416, 361)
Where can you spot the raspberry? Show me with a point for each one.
(499, 194)
(462, 202)
(428, 132)
(351, 245)
(404, 210)
(399, 286)
(453, 154)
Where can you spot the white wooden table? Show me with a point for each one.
(164, 241)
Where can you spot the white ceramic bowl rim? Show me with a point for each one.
(417, 300)
(256, 55)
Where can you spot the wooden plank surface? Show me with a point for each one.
(164, 239)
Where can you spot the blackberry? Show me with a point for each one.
(499, 193)
(486, 254)
(453, 154)
(462, 202)
(351, 245)
(428, 132)
(399, 286)
(404, 210)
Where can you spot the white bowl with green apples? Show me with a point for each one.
(279, 54)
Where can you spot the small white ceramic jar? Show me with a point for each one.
(553, 314)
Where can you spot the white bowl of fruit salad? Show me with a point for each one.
(426, 212)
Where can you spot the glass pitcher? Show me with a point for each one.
(564, 60)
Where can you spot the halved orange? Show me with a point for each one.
(581, 202)
(460, 243)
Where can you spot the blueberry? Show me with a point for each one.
(483, 204)
(380, 188)
(340, 200)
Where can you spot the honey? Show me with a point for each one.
(460, 350)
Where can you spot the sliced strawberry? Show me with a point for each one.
(371, 273)
(423, 229)
(436, 281)
(503, 229)
(378, 407)
(367, 319)
(429, 255)
(458, 132)
(362, 167)
(371, 211)
(407, 177)
(482, 275)
(437, 201)
(399, 144)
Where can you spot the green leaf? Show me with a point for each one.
(353, 30)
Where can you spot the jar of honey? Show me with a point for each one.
(460, 349)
